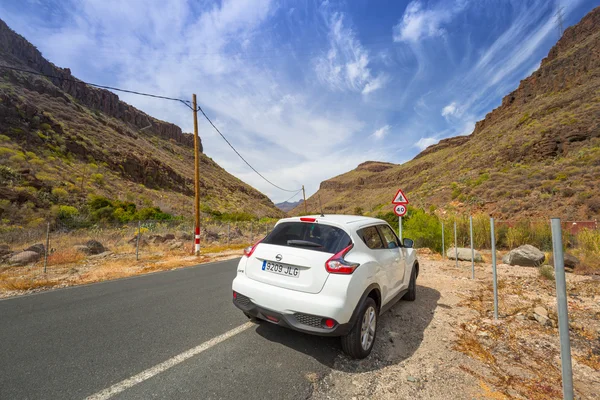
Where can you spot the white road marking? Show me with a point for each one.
(165, 365)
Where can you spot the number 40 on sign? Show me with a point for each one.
(400, 201)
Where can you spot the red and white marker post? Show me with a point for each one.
(400, 202)
(197, 241)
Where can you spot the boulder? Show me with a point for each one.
(169, 236)
(176, 245)
(38, 248)
(24, 258)
(539, 310)
(464, 254)
(157, 239)
(4, 250)
(570, 261)
(94, 247)
(526, 256)
(185, 236)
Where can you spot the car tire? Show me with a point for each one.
(355, 344)
(411, 295)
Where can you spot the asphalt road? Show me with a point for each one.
(78, 342)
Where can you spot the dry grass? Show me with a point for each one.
(22, 284)
(65, 256)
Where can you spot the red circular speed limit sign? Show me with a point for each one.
(400, 210)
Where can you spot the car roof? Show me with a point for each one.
(348, 221)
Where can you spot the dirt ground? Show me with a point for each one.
(447, 345)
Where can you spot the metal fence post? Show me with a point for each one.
(472, 249)
(455, 245)
(46, 249)
(137, 244)
(443, 244)
(228, 232)
(563, 312)
(494, 276)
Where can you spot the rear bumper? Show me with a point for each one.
(291, 321)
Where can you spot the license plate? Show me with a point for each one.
(281, 269)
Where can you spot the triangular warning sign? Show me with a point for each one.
(400, 198)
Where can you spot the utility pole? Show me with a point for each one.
(304, 195)
(196, 180)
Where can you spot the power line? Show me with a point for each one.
(293, 196)
(243, 159)
(186, 102)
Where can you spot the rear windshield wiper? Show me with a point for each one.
(304, 243)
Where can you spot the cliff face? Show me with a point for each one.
(537, 154)
(63, 141)
(18, 52)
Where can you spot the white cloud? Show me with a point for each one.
(424, 143)
(346, 65)
(449, 110)
(381, 132)
(419, 23)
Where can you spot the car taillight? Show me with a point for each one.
(337, 264)
(308, 219)
(250, 249)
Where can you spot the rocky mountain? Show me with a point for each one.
(536, 155)
(62, 141)
(288, 206)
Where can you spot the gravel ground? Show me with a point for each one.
(446, 344)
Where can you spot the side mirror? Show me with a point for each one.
(408, 243)
(392, 245)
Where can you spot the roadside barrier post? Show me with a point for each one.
(400, 228)
(494, 276)
(472, 249)
(455, 245)
(46, 249)
(443, 245)
(563, 312)
(137, 242)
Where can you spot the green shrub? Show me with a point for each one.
(546, 272)
(67, 212)
(98, 179)
(60, 194)
(425, 229)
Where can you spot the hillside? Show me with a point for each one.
(62, 141)
(537, 154)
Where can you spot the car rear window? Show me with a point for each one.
(320, 237)
(371, 237)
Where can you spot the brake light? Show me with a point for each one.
(250, 249)
(234, 295)
(337, 264)
(308, 219)
(329, 323)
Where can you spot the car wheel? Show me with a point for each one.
(358, 343)
(411, 295)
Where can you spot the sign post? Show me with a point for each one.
(400, 201)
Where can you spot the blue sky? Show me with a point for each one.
(306, 90)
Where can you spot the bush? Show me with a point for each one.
(67, 213)
(60, 194)
(546, 272)
(425, 229)
(98, 179)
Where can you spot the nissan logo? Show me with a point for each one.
(278, 257)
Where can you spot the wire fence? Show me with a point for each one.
(56, 247)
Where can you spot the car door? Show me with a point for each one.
(373, 239)
(393, 245)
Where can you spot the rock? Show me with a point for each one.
(101, 255)
(81, 248)
(94, 247)
(520, 317)
(411, 379)
(185, 236)
(4, 250)
(24, 258)
(464, 254)
(157, 239)
(176, 245)
(541, 319)
(570, 261)
(38, 248)
(169, 236)
(539, 310)
(526, 256)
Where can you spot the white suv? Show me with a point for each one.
(329, 275)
